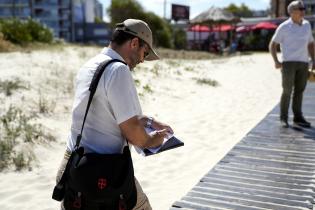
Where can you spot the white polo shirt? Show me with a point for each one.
(294, 40)
(115, 101)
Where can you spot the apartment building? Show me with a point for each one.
(15, 8)
(56, 14)
(59, 15)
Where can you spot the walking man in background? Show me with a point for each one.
(297, 45)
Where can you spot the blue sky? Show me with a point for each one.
(196, 6)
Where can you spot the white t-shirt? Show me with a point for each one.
(294, 40)
(115, 101)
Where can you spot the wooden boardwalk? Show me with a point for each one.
(270, 168)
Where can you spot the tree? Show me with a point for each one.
(120, 10)
(241, 11)
(180, 39)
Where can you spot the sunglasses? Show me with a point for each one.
(146, 54)
(301, 8)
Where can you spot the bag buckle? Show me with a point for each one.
(122, 203)
(77, 202)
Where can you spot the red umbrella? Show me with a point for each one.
(223, 28)
(199, 28)
(243, 29)
(264, 25)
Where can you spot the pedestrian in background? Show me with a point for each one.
(297, 44)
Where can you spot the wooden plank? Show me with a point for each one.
(264, 177)
(265, 191)
(305, 195)
(266, 168)
(266, 173)
(270, 168)
(183, 204)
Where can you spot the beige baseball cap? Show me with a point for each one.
(141, 30)
(295, 5)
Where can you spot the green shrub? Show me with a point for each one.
(39, 32)
(5, 46)
(8, 86)
(15, 30)
(180, 39)
(21, 160)
(16, 129)
(6, 151)
(147, 88)
(120, 10)
(161, 30)
(210, 82)
(24, 31)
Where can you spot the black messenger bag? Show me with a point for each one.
(105, 180)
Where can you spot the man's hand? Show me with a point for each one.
(162, 126)
(158, 137)
(133, 130)
(278, 65)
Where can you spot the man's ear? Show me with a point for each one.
(134, 43)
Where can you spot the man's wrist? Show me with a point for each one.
(149, 122)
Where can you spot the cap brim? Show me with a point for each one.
(152, 56)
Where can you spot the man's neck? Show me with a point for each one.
(119, 49)
(297, 20)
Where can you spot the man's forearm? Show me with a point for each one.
(273, 51)
(133, 130)
(311, 49)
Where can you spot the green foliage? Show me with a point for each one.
(161, 30)
(137, 82)
(189, 68)
(8, 86)
(147, 88)
(6, 150)
(15, 31)
(120, 10)
(22, 159)
(5, 46)
(38, 32)
(24, 31)
(16, 129)
(98, 20)
(180, 39)
(210, 82)
(241, 11)
(44, 105)
(173, 63)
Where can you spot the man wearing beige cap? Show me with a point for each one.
(297, 46)
(115, 114)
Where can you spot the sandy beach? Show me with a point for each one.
(209, 119)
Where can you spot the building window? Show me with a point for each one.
(6, 12)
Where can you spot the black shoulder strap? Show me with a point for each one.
(96, 78)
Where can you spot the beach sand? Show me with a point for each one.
(209, 119)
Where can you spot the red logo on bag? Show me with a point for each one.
(102, 183)
(77, 203)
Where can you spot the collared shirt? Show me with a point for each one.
(115, 101)
(294, 39)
